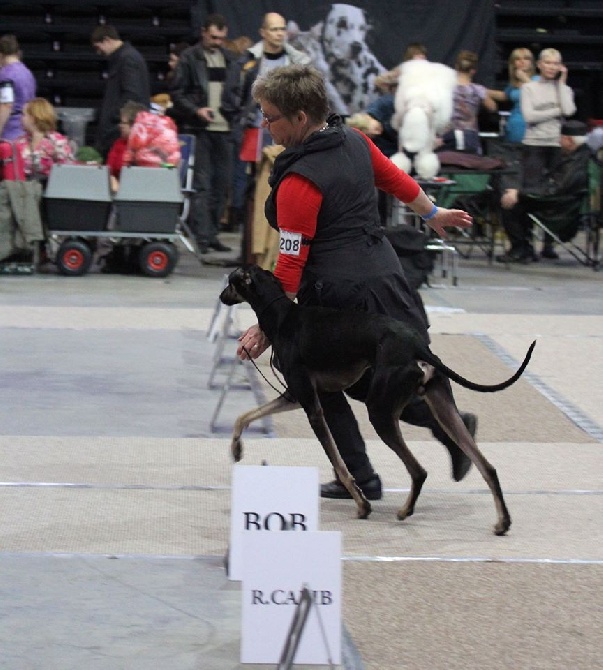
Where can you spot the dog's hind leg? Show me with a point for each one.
(387, 425)
(280, 404)
(438, 395)
(391, 389)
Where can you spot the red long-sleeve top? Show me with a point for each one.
(299, 201)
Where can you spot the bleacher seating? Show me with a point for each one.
(55, 39)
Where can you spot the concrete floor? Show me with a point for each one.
(115, 492)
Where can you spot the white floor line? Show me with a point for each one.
(471, 559)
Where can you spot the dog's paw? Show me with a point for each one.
(364, 510)
(236, 449)
(405, 512)
(502, 526)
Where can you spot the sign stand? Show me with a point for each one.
(298, 624)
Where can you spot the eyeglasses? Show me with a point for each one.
(271, 119)
(277, 29)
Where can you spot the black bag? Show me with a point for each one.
(409, 245)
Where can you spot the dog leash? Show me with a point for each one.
(286, 394)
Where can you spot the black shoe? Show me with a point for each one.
(515, 256)
(203, 249)
(550, 253)
(371, 488)
(461, 463)
(218, 246)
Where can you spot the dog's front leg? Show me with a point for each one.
(280, 404)
(322, 432)
(438, 396)
(302, 388)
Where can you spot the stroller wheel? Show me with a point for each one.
(74, 258)
(158, 259)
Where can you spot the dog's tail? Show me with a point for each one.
(483, 388)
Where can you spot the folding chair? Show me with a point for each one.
(474, 194)
(562, 217)
(187, 170)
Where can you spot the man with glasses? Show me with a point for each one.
(204, 90)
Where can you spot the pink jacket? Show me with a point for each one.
(153, 141)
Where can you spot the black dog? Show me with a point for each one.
(320, 349)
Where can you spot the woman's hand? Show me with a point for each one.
(252, 343)
(456, 218)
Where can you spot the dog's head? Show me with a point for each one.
(251, 284)
(344, 32)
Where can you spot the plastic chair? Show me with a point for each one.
(187, 170)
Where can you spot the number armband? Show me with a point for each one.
(290, 243)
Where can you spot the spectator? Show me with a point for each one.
(545, 102)
(115, 157)
(568, 174)
(204, 91)
(270, 52)
(376, 122)
(153, 140)
(148, 139)
(128, 79)
(521, 71)
(468, 98)
(17, 88)
(41, 146)
(174, 57)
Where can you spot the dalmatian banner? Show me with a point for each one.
(353, 43)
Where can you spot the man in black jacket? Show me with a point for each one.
(205, 93)
(127, 80)
(568, 174)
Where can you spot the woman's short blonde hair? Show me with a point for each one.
(549, 53)
(42, 114)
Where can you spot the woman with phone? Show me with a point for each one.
(545, 104)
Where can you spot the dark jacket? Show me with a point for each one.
(568, 173)
(249, 67)
(189, 88)
(128, 79)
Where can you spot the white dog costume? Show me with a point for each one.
(423, 103)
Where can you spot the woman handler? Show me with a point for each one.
(332, 248)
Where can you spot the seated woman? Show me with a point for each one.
(153, 140)
(148, 139)
(42, 146)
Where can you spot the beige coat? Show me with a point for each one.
(264, 239)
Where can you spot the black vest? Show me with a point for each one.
(338, 162)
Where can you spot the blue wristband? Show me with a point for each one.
(431, 214)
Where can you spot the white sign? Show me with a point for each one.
(270, 498)
(277, 567)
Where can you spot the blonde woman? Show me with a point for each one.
(42, 146)
(521, 71)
